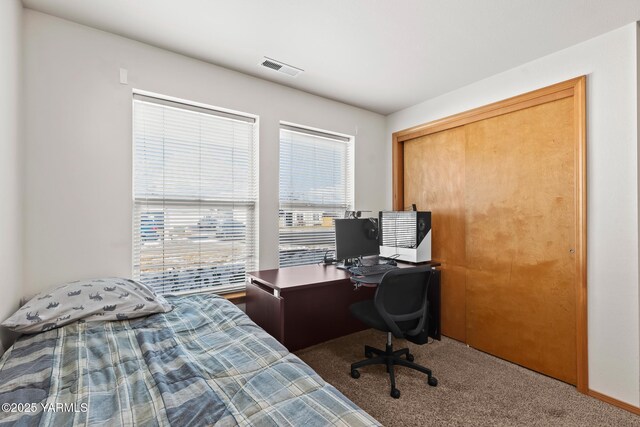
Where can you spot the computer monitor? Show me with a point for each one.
(356, 238)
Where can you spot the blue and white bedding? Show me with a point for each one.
(204, 363)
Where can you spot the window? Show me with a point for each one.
(316, 186)
(194, 196)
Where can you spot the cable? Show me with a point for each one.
(327, 260)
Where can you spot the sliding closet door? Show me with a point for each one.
(506, 185)
(520, 199)
(435, 181)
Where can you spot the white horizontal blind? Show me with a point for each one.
(194, 196)
(399, 229)
(316, 186)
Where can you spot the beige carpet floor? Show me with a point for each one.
(475, 389)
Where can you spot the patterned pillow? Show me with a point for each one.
(111, 298)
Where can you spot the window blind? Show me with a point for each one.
(195, 194)
(316, 186)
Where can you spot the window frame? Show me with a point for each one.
(317, 209)
(251, 204)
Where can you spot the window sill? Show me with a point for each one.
(235, 297)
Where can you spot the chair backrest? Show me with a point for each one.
(401, 299)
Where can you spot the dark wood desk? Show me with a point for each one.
(306, 305)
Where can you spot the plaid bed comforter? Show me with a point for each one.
(204, 363)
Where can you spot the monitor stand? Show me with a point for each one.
(346, 264)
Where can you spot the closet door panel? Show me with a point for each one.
(434, 179)
(520, 237)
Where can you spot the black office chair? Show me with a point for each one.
(400, 307)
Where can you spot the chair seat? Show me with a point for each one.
(366, 312)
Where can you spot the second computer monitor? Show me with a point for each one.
(356, 237)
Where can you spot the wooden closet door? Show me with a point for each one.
(520, 204)
(434, 180)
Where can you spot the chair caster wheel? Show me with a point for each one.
(368, 354)
(395, 393)
(432, 381)
(355, 373)
(410, 357)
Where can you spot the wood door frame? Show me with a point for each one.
(575, 88)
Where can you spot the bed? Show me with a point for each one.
(204, 363)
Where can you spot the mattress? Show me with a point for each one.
(204, 363)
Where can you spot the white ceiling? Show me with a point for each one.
(375, 54)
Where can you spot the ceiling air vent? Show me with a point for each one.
(281, 67)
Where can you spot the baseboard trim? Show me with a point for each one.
(614, 402)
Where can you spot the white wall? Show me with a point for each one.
(610, 61)
(10, 165)
(78, 204)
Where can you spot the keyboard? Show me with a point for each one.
(370, 270)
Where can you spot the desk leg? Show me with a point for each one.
(266, 309)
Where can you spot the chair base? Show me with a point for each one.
(391, 358)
